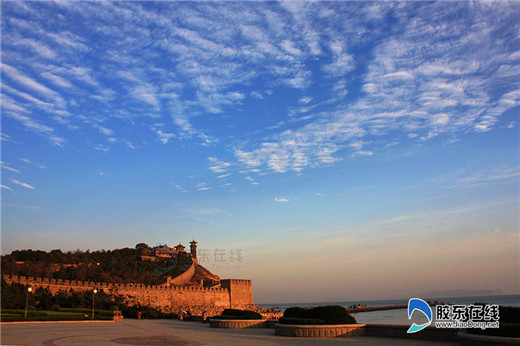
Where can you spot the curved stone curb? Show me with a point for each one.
(238, 324)
(271, 323)
(467, 339)
(320, 331)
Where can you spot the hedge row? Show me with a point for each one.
(77, 317)
(509, 314)
(235, 314)
(56, 314)
(14, 315)
(510, 330)
(330, 314)
(301, 321)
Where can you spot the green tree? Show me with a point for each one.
(142, 246)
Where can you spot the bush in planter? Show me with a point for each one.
(509, 314)
(295, 311)
(330, 314)
(508, 330)
(226, 317)
(301, 321)
(239, 315)
(509, 324)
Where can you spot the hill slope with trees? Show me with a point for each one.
(118, 266)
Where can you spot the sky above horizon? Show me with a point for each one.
(325, 150)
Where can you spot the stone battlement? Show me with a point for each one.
(232, 293)
(239, 281)
(67, 284)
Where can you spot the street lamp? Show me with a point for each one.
(93, 293)
(29, 289)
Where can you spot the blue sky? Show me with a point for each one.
(369, 148)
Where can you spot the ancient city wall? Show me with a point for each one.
(184, 278)
(233, 293)
(241, 291)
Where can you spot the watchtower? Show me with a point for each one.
(193, 249)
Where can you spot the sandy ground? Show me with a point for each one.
(167, 332)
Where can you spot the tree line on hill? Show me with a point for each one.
(116, 266)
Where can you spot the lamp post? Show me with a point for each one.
(93, 294)
(29, 289)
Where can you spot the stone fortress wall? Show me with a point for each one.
(232, 293)
(183, 278)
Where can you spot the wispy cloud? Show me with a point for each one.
(491, 175)
(180, 188)
(27, 161)
(101, 147)
(27, 82)
(282, 199)
(421, 77)
(14, 181)
(11, 169)
(14, 111)
(417, 96)
(218, 166)
(305, 99)
(203, 187)
(252, 180)
(204, 211)
(105, 131)
(469, 177)
(164, 137)
(147, 94)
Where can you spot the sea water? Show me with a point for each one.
(400, 316)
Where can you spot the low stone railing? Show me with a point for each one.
(320, 331)
(400, 331)
(238, 324)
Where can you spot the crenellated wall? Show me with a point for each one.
(232, 293)
(184, 278)
(240, 291)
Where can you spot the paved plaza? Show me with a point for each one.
(167, 332)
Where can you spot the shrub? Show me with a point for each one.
(50, 316)
(242, 314)
(509, 324)
(331, 314)
(301, 321)
(509, 314)
(55, 308)
(295, 311)
(227, 317)
(509, 330)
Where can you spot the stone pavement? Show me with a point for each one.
(167, 332)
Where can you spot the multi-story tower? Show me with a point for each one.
(193, 249)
